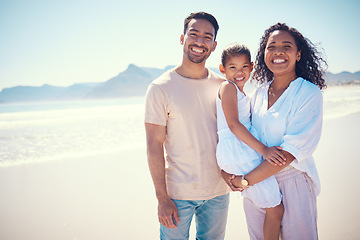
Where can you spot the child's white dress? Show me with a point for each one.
(236, 157)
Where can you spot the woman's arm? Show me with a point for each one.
(228, 96)
(265, 170)
(260, 173)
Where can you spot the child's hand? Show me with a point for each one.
(228, 179)
(274, 155)
(236, 181)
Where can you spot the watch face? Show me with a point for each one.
(244, 182)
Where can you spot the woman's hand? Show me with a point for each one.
(274, 155)
(227, 178)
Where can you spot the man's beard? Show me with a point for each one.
(197, 59)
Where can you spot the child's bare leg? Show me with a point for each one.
(272, 222)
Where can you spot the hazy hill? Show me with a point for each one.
(45, 93)
(77, 91)
(342, 78)
(28, 93)
(132, 82)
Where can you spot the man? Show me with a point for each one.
(181, 117)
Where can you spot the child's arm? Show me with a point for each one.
(228, 95)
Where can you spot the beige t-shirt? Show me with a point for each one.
(187, 107)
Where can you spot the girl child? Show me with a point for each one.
(238, 151)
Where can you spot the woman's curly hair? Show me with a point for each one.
(311, 66)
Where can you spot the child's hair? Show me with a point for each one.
(232, 50)
(310, 67)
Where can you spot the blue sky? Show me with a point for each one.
(71, 41)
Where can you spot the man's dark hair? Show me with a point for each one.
(202, 15)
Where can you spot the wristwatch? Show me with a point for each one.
(244, 182)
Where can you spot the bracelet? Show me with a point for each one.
(244, 182)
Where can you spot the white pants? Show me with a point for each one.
(300, 217)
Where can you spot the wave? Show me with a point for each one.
(53, 134)
(52, 131)
(341, 101)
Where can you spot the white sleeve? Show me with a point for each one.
(304, 125)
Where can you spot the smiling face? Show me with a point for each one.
(237, 69)
(281, 54)
(199, 40)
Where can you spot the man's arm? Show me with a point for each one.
(155, 138)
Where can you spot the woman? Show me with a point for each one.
(287, 111)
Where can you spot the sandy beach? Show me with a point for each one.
(110, 195)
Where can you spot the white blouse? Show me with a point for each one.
(293, 122)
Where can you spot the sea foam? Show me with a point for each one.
(36, 132)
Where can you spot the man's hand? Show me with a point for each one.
(167, 213)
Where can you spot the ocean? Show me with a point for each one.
(33, 132)
(37, 132)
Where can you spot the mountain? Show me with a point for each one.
(77, 91)
(28, 93)
(342, 78)
(132, 82)
(45, 93)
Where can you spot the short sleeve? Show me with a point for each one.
(155, 106)
(304, 126)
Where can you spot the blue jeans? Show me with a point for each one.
(210, 218)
